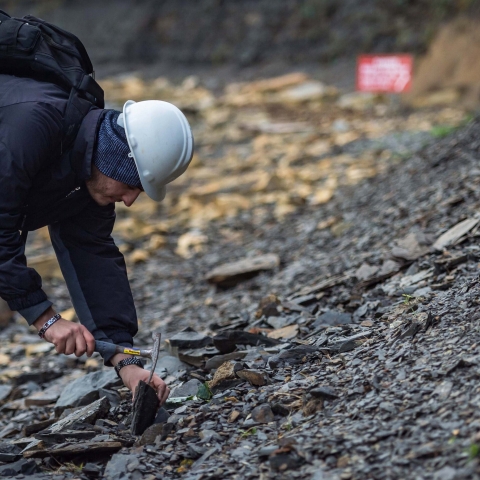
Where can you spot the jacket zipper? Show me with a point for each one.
(73, 191)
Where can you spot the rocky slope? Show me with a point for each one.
(323, 254)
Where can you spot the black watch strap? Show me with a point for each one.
(128, 361)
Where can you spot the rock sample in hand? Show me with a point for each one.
(145, 408)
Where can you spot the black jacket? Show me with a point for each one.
(39, 186)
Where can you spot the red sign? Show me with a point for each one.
(384, 73)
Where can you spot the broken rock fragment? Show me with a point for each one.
(263, 414)
(455, 234)
(332, 318)
(227, 342)
(144, 409)
(20, 467)
(291, 356)
(9, 453)
(85, 389)
(411, 247)
(285, 333)
(323, 392)
(197, 357)
(230, 274)
(254, 377)
(189, 339)
(268, 307)
(214, 362)
(188, 389)
(225, 377)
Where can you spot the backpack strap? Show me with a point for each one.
(91, 87)
(75, 112)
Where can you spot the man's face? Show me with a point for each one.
(105, 190)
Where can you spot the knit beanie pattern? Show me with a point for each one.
(111, 152)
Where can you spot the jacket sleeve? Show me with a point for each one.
(29, 135)
(96, 275)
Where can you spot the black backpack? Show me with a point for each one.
(31, 47)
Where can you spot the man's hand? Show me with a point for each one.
(132, 374)
(67, 337)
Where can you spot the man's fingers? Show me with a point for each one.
(70, 345)
(90, 341)
(165, 396)
(80, 345)
(60, 346)
(162, 390)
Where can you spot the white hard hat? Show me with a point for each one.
(160, 142)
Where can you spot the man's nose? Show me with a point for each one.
(129, 197)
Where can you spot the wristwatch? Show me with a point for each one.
(127, 361)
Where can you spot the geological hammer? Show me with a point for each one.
(106, 349)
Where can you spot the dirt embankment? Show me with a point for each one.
(243, 32)
(450, 71)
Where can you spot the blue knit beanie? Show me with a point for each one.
(111, 152)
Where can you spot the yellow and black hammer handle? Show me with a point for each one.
(106, 349)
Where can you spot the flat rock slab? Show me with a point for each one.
(168, 365)
(190, 339)
(331, 317)
(410, 247)
(454, 234)
(214, 362)
(323, 392)
(263, 414)
(119, 465)
(70, 451)
(5, 391)
(293, 356)
(197, 357)
(230, 274)
(254, 377)
(145, 408)
(87, 414)
(52, 393)
(84, 390)
(188, 389)
(227, 342)
(20, 467)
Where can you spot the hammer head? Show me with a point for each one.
(155, 351)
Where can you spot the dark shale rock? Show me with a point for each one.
(263, 414)
(85, 390)
(227, 342)
(20, 467)
(144, 408)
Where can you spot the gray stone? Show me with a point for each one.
(190, 339)
(117, 467)
(168, 364)
(214, 362)
(188, 389)
(5, 391)
(324, 392)
(446, 473)
(263, 414)
(332, 317)
(150, 434)
(21, 467)
(85, 390)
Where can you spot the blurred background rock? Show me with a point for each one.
(171, 37)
